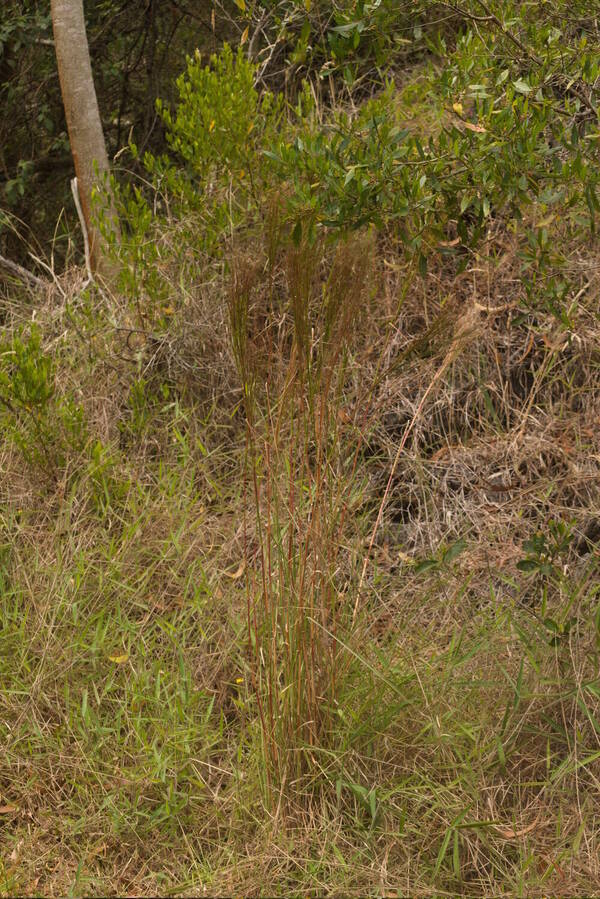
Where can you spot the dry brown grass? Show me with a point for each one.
(476, 737)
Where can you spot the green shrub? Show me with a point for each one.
(517, 147)
(46, 427)
(212, 182)
(216, 133)
(348, 46)
(517, 144)
(106, 488)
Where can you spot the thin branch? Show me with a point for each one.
(86, 241)
(191, 14)
(257, 30)
(50, 271)
(575, 88)
(509, 34)
(15, 269)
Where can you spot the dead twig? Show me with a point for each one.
(19, 272)
(86, 241)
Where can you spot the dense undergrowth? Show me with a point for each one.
(300, 520)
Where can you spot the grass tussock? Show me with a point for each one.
(310, 606)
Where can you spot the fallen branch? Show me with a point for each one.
(19, 272)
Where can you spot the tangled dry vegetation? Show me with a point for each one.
(299, 588)
(463, 754)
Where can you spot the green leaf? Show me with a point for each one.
(456, 855)
(426, 565)
(454, 551)
(270, 155)
(348, 29)
(528, 565)
(373, 805)
(465, 203)
(522, 87)
(297, 233)
(500, 751)
(443, 849)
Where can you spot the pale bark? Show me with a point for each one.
(83, 122)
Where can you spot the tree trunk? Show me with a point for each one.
(83, 122)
